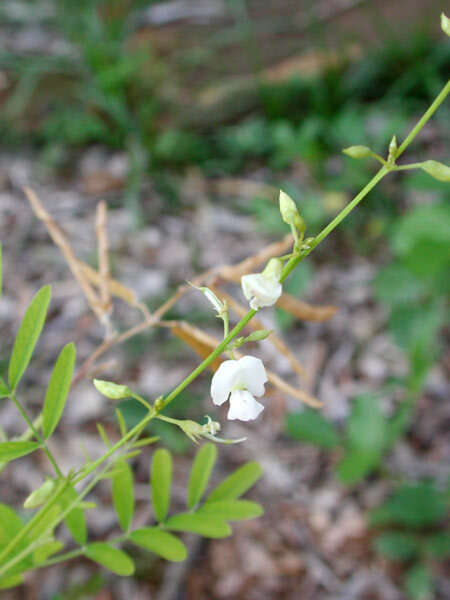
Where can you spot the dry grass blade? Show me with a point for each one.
(289, 389)
(235, 272)
(115, 288)
(103, 258)
(304, 311)
(63, 244)
(256, 324)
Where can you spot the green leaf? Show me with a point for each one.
(419, 583)
(10, 524)
(366, 427)
(57, 390)
(27, 336)
(418, 505)
(4, 389)
(160, 542)
(46, 550)
(397, 545)
(75, 519)
(237, 483)
(11, 450)
(205, 525)
(10, 581)
(123, 493)
(200, 473)
(397, 285)
(311, 426)
(113, 559)
(431, 222)
(438, 545)
(232, 510)
(160, 481)
(356, 464)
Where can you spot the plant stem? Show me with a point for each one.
(36, 434)
(32, 523)
(426, 116)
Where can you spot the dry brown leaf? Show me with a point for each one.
(196, 339)
(305, 311)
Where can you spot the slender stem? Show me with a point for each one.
(116, 447)
(406, 167)
(36, 434)
(53, 523)
(32, 522)
(426, 116)
(214, 354)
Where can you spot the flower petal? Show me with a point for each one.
(243, 406)
(223, 381)
(261, 290)
(252, 374)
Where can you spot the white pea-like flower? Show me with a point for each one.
(263, 289)
(240, 381)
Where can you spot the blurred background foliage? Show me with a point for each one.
(234, 87)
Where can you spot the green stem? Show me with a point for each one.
(426, 116)
(214, 354)
(51, 525)
(32, 523)
(93, 466)
(37, 435)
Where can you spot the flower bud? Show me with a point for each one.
(263, 289)
(219, 306)
(258, 335)
(436, 169)
(273, 269)
(357, 151)
(289, 212)
(392, 151)
(111, 390)
(41, 495)
(445, 24)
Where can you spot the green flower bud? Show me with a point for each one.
(289, 212)
(436, 170)
(392, 152)
(258, 335)
(111, 390)
(445, 24)
(41, 495)
(357, 151)
(273, 269)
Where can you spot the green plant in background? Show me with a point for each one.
(63, 497)
(412, 520)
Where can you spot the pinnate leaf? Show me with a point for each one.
(200, 473)
(160, 542)
(113, 559)
(57, 390)
(28, 334)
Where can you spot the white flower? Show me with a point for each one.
(240, 380)
(263, 289)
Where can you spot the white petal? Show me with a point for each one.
(243, 406)
(261, 290)
(223, 381)
(252, 374)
